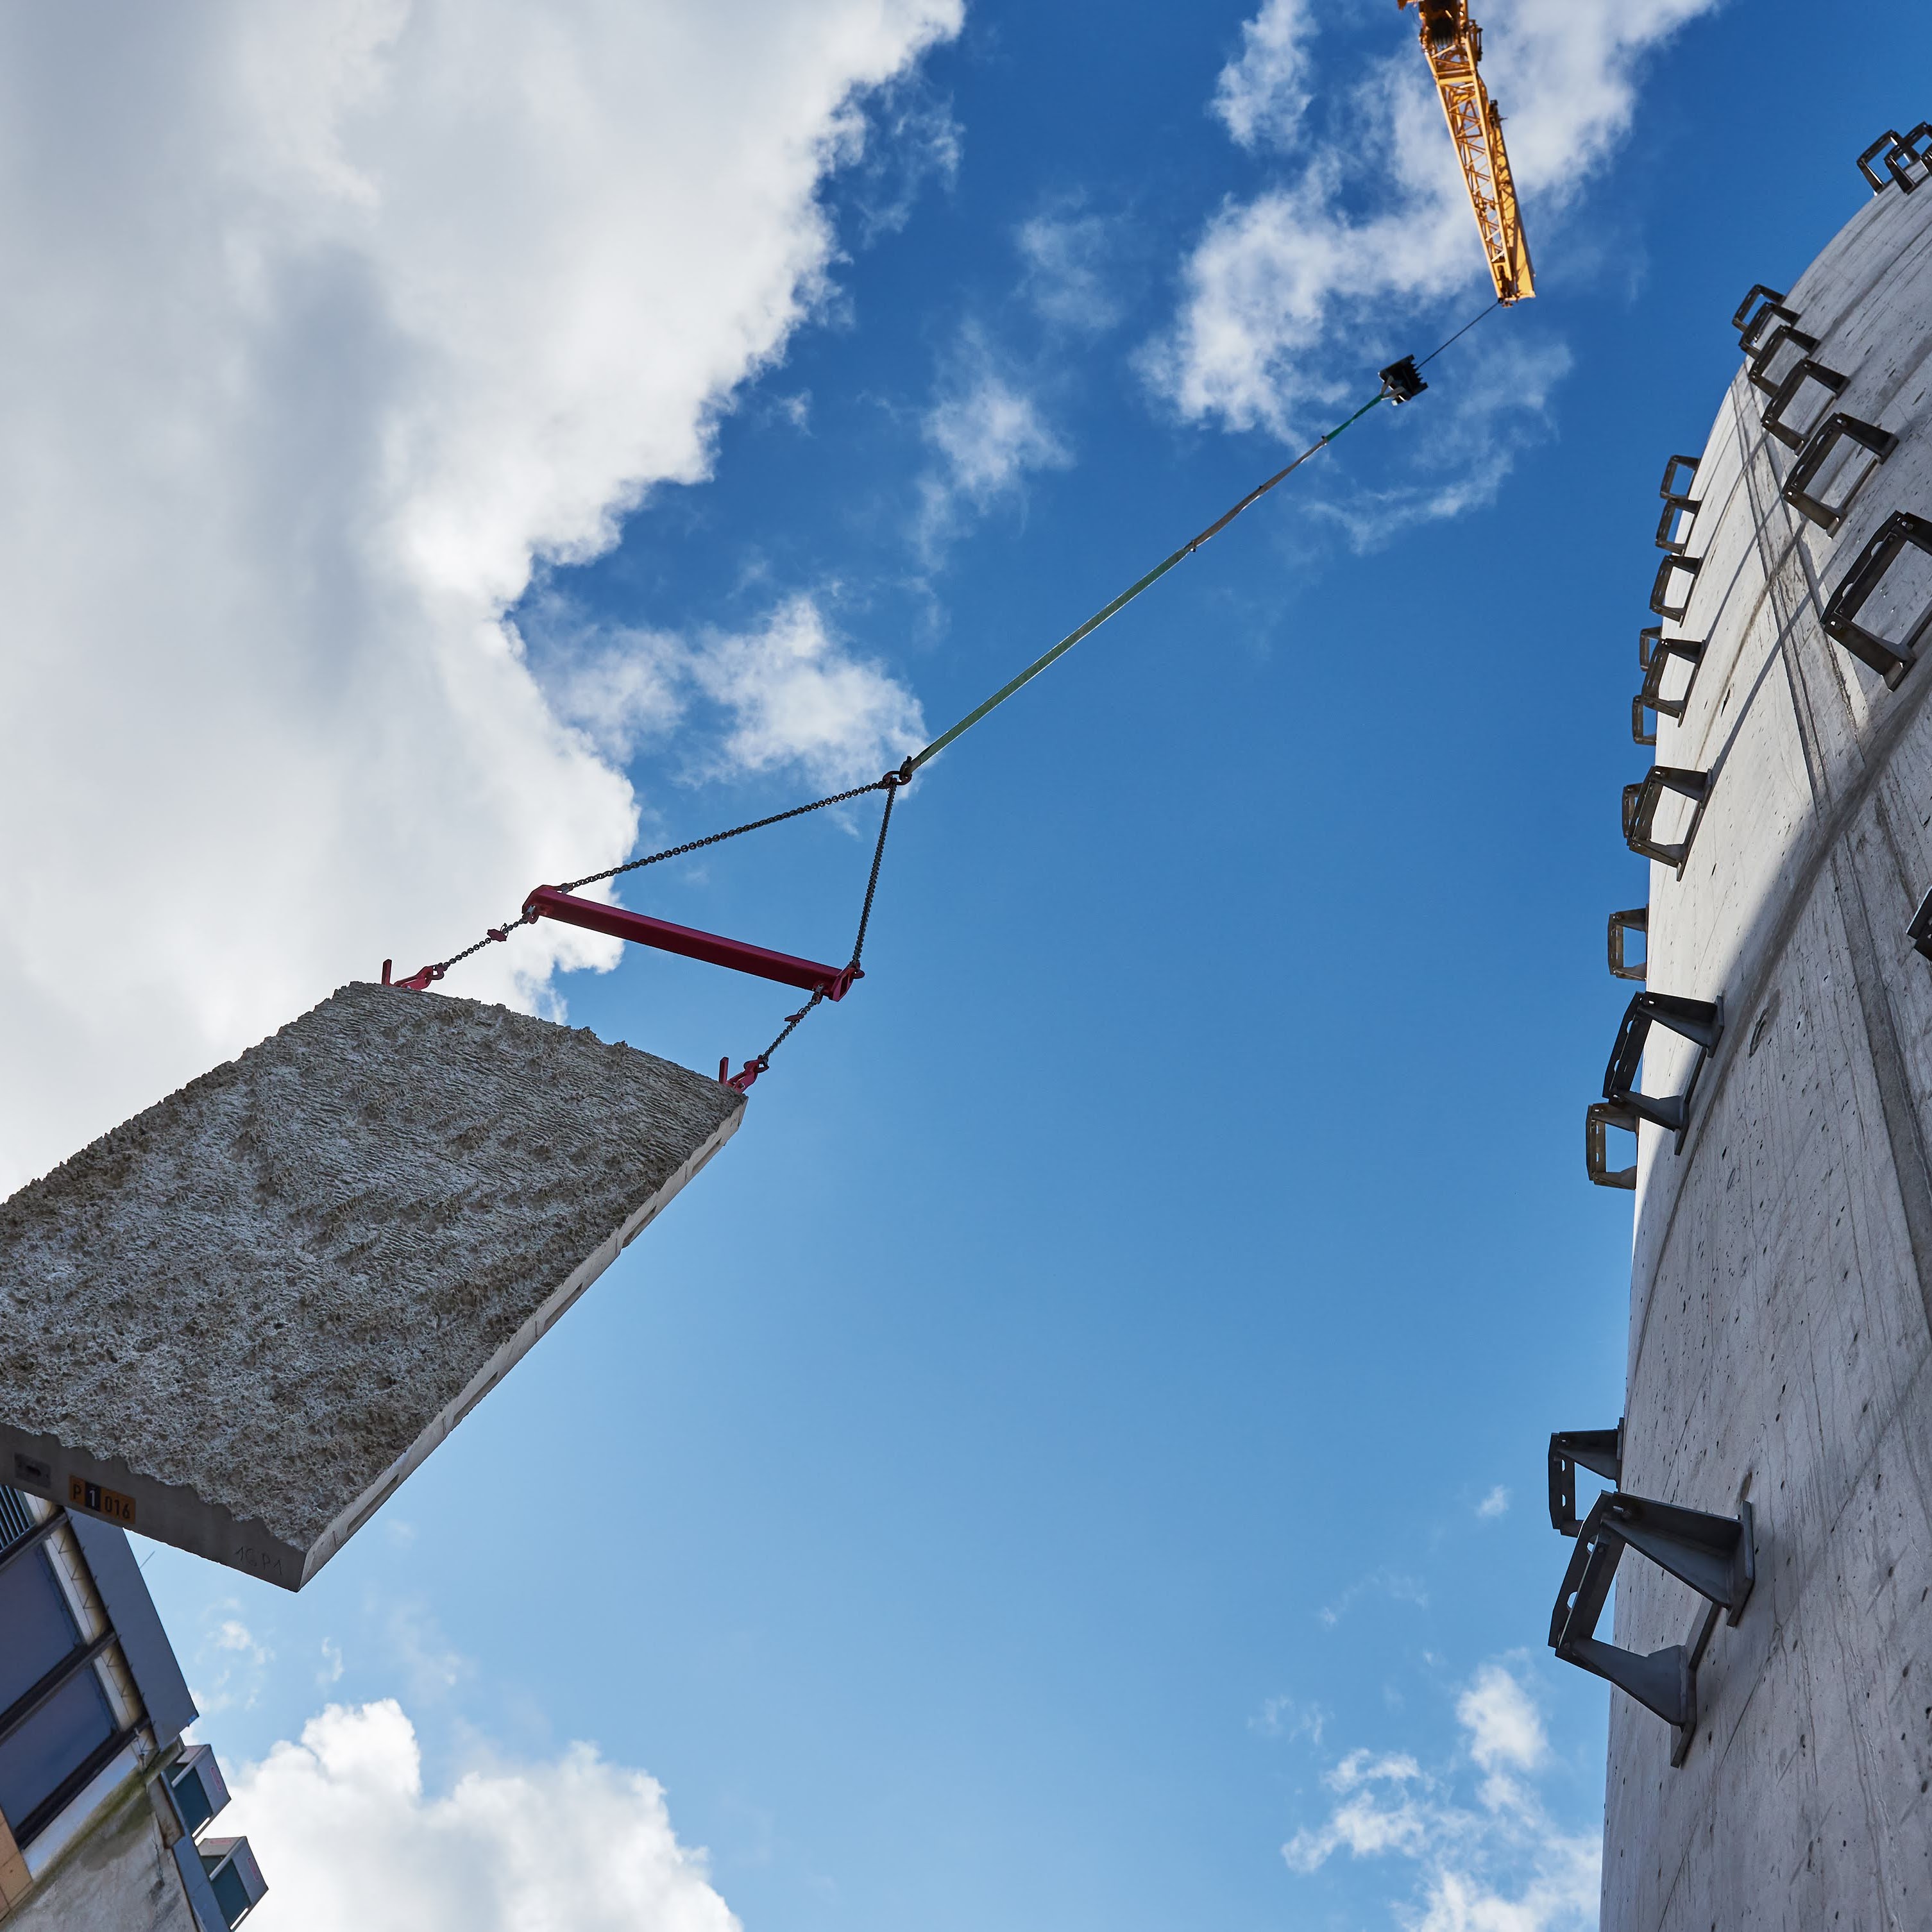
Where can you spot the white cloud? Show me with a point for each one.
(325, 323)
(786, 692)
(916, 139)
(1496, 1863)
(1067, 254)
(1505, 1732)
(1292, 294)
(1496, 1504)
(1392, 1584)
(1261, 97)
(988, 431)
(348, 1842)
(795, 696)
(1283, 1717)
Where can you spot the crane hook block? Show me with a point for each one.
(1401, 382)
(618, 922)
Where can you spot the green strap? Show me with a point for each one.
(1133, 590)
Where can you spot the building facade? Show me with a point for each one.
(104, 1809)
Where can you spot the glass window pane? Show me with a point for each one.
(54, 1740)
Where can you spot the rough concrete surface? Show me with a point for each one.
(1779, 1347)
(252, 1309)
(120, 1877)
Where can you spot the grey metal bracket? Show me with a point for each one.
(1651, 697)
(1599, 1117)
(1638, 735)
(1749, 324)
(1785, 335)
(1700, 1022)
(1642, 800)
(1825, 438)
(1647, 639)
(1599, 1451)
(1920, 931)
(1715, 1555)
(1622, 924)
(1900, 531)
(1786, 393)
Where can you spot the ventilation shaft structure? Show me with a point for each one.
(1769, 1526)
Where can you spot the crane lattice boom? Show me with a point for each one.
(1454, 43)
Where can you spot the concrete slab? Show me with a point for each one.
(236, 1323)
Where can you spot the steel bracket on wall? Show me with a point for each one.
(1713, 1554)
(1920, 931)
(1901, 154)
(1900, 531)
(1787, 393)
(1599, 1117)
(1642, 801)
(1622, 924)
(1676, 498)
(1700, 1022)
(1836, 428)
(1660, 592)
(1599, 1451)
(1785, 335)
(1651, 697)
(1748, 326)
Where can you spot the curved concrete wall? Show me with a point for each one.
(1779, 1347)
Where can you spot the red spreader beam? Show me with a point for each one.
(834, 982)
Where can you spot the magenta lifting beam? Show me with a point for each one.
(833, 982)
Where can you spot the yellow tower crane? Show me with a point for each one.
(1454, 43)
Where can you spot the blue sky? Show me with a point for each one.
(1076, 1460)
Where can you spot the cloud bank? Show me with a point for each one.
(348, 1842)
(324, 323)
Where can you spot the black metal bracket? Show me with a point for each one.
(1819, 445)
(1920, 931)
(1622, 924)
(1676, 497)
(1900, 531)
(1786, 393)
(1660, 591)
(1901, 154)
(1885, 142)
(1651, 697)
(1748, 324)
(1599, 1117)
(1700, 1022)
(1641, 801)
(1670, 487)
(1715, 1555)
(1785, 335)
(1599, 1451)
(1665, 539)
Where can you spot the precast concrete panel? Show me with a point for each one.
(239, 1321)
(1779, 1347)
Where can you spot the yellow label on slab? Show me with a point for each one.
(109, 1503)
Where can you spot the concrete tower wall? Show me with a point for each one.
(1779, 1346)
